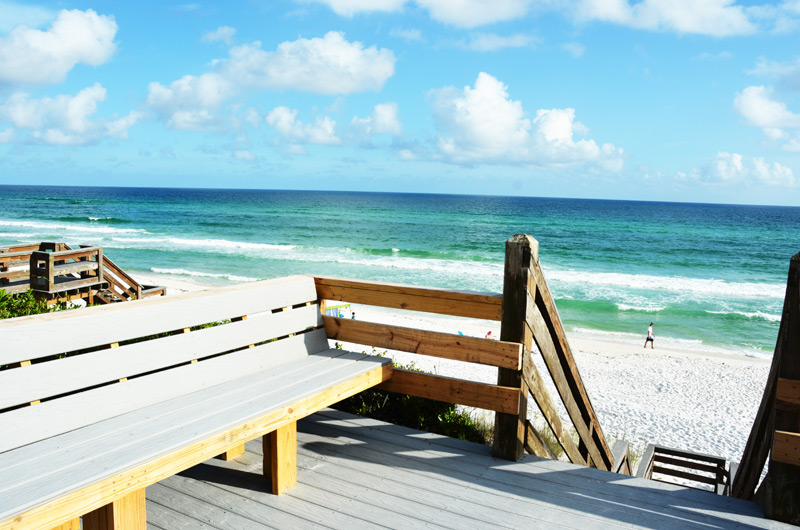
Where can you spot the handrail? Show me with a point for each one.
(133, 288)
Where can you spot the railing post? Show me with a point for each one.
(782, 491)
(509, 429)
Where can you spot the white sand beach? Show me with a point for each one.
(685, 398)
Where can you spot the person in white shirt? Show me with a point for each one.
(650, 338)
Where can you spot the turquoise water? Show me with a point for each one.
(711, 276)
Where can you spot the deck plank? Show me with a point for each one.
(361, 473)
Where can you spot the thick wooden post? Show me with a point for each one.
(126, 513)
(280, 457)
(782, 485)
(509, 429)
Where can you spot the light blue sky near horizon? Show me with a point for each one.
(651, 100)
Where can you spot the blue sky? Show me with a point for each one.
(672, 100)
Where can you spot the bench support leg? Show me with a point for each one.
(126, 513)
(74, 524)
(280, 458)
(232, 453)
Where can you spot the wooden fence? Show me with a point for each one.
(776, 430)
(528, 316)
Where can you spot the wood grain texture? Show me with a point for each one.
(98, 493)
(431, 343)
(232, 453)
(786, 448)
(510, 429)
(535, 443)
(548, 409)
(450, 390)
(441, 301)
(280, 458)
(787, 395)
(126, 513)
(101, 325)
(65, 375)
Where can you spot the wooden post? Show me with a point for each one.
(126, 513)
(509, 429)
(280, 457)
(782, 485)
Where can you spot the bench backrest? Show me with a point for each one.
(65, 370)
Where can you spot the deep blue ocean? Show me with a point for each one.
(709, 276)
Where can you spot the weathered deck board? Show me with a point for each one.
(361, 473)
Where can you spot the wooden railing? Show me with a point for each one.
(62, 272)
(528, 316)
(776, 430)
(694, 470)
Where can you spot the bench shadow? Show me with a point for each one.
(401, 458)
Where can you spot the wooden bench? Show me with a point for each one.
(139, 397)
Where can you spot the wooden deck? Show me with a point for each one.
(360, 473)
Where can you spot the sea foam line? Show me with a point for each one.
(198, 274)
(95, 229)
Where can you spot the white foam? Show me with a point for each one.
(755, 314)
(674, 284)
(92, 229)
(197, 274)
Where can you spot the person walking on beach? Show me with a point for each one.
(650, 338)
(489, 335)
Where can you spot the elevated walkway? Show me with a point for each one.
(57, 272)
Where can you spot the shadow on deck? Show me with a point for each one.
(361, 473)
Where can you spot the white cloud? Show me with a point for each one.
(719, 18)
(733, 168)
(12, 15)
(708, 56)
(785, 73)
(244, 155)
(460, 13)
(484, 125)
(64, 119)
(382, 120)
(327, 65)
(576, 49)
(221, 34)
(756, 105)
(489, 42)
(32, 56)
(191, 102)
(7, 136)
(348, 8)
(322, 131)
(473, 13)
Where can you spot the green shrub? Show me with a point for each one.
(417, 413)
(23, 304)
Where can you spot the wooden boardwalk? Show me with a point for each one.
(360, 473)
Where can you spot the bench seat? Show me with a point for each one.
(146, 410)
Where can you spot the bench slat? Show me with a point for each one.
(29, 424)
(79, 444)
(39, 336)
(277, 394)
(43, 380)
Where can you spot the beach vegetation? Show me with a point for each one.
(417, 413)
(24, 304)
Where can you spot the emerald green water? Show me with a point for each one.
(710, 276)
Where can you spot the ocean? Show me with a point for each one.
(710, 276)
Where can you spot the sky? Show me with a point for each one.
(673, 100)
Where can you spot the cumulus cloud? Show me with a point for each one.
(327, 65)
(484, 125)
(384, 119)
(284, 120)
(221, 34)
(756, 105)
(733, 168)
(719, 18)
(191, 102)
(64, 119)
(32, 56)
(348, 8)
